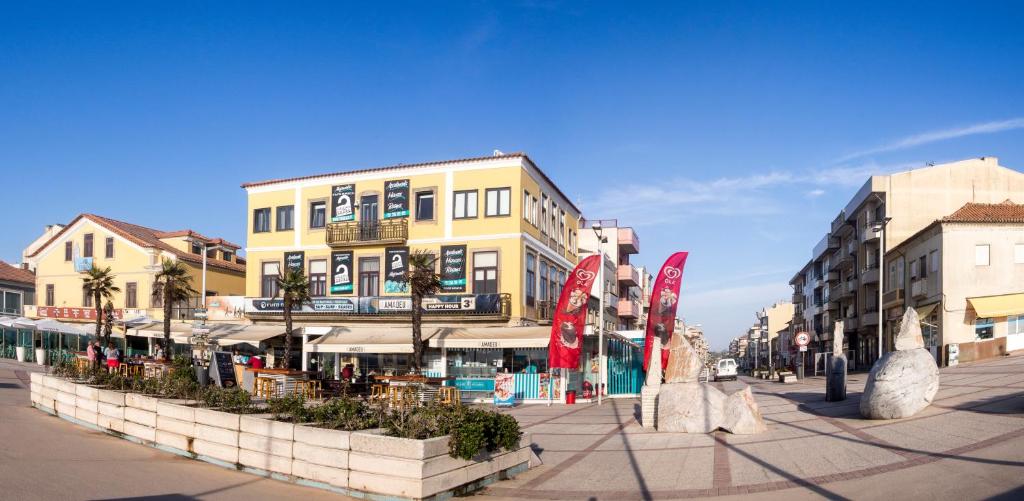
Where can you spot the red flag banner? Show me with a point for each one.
(570, 315)
(661, 320)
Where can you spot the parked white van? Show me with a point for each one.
(725, 369)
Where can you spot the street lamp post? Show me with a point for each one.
(601, 239)
(879, 228)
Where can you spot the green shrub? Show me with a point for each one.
(472, 430)
(291, 408)
(235, 400)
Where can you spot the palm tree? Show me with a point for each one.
(173, 285)
(423, 281)
(108, 324)
(99, 284)
(295, 290)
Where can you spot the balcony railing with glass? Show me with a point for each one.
(393, 231)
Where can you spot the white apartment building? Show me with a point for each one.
(622, 288)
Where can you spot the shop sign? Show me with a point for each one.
(394, 304)
(488, 344)
(341, 272)
(504, 390)
(341, 203)
(396, 262)
(953, 354)
(446, 303)
(316, 305)
(453, 268)
(225, 307)
(295, 260)
(476, 384)
(73, 313)
(396, 198)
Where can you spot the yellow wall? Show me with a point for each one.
(501, 233)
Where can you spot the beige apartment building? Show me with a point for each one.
(842, 279)
(623, 288)
(773, 326)
(964, 274)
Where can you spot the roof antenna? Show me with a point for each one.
(499, 153)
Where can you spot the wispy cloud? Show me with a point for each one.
(938, 135)
(815, 193)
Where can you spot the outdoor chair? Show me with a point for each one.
(266, 387)
(449, 395)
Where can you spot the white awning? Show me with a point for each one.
(228, 334)
(366, 340)
(179, 331)
(491, 337)
(18, 323)
(51, 325)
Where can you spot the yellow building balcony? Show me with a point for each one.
(359, 233)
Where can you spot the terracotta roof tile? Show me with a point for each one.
(144, 237)
(1005, 212)
(9, 273)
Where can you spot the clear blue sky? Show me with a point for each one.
(733, 131)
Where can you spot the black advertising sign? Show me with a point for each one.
(341, 272)
(343, 203)
(223, 370)
(295, 260)
(396, 262)
(453, 268)
(396, 198)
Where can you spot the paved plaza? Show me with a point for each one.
(968, 445)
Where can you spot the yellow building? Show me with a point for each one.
(134, 254)
(498, 225)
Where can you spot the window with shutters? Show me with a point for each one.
(268, 278)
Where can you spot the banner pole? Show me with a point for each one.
(600, 326)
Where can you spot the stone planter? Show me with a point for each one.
(361, 464)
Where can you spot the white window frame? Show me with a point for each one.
(982, 255)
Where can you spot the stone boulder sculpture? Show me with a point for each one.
(835, 384)
(685, 405)
(902, 382)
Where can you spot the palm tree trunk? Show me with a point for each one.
(99, 318)
(168, 288)
(287, 332)
(417, 329)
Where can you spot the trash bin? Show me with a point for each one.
(570, 397)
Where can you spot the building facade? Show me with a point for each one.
(134, 254)
(842, 280)
(17, 288)
(964, 274)
(623, 281)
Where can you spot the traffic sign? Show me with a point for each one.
(802, 339)
(803, 348)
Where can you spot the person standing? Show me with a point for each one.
(90, 353)
(113, 356)
(158, 354)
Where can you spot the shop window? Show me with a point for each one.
(286, 218)
(531, 279)
(1015, 324)
(317, 214)
(131, 295)
(268, 279)
(983, 328)
(465, 204)
(425, 206)
(68, 251)
(981, 255)
(108, 251)
(261, 220)
(498, 202)
(369, 276)
(485, 272)
(49, 295)
(318, 278)
(87, 248)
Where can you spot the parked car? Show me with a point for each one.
(725, 369)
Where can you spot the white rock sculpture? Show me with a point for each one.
(690, 408)
(902, 382)
(683, 363)
(742, 416)
(652, 386)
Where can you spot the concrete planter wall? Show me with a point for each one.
(362, 463)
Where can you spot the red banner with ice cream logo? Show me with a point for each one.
(570, 315)
(661, 320)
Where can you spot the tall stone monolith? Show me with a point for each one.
(835, 384)
(652, 386)
(902, 382)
